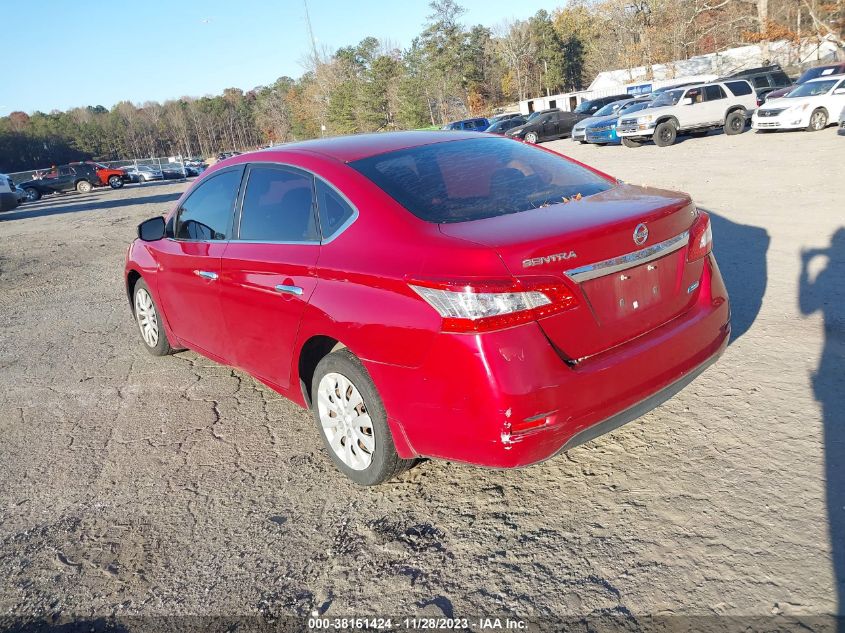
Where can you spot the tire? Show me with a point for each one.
(735, 123)
(115, 182)
(340, 380)
(32, 194)
(142, 179)
(629, 142)
(665, 134)
(145, 311)
(818, 120)
(83, 186)
(531, 137)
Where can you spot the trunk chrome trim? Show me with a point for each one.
(623, 262)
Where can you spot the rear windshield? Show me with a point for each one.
(471, 179)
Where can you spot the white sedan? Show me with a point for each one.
(811, 106)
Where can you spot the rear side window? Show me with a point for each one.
(739, 88)
(761, 81)
(714, 93)
(781, 79)
(457, 181)
(207, 213)
(335, 211)
(278, 206)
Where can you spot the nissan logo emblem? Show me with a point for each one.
(640, 234)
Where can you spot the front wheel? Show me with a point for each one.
(32, 194)
(83, 186)
(665, 134)
(735, 123)
(531, 137)
(115, 182)
(149, 321)
(818, 120)
(142, 180)
(352, 421)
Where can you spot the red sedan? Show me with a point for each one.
(440, 294)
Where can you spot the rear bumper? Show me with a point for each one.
(506, 399)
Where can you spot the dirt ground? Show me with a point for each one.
(174, 486)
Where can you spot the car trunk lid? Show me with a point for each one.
(627, 284)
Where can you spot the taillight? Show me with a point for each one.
(700, 238)
(485, 305)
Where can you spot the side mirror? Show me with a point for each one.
(839, 91)
(687, 101)
(151, 230)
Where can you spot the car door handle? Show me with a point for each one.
(291, 290)
(205, 274)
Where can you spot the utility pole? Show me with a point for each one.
(310, 32)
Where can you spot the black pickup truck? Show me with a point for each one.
(80, 177)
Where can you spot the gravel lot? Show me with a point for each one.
(175, 486)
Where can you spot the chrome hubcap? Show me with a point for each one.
(345, 421)
(145, 312)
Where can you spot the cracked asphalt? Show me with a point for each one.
(175, 486)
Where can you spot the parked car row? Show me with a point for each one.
(85, 176)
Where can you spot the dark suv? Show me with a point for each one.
(764, 79)
(811, 73)
(80, 177)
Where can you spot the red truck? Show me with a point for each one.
(114, 178)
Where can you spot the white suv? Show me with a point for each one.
(693, 110)
(8, 194)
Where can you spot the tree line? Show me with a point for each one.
(449, 71)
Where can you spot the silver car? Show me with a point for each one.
(143, 173)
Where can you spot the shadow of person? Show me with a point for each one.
(826, 294)
(740, 251)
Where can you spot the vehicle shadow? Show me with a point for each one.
(88, 204)
(740, 251)
(826, 294)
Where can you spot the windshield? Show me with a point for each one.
(812, 88)
(668, 98)
(533, 116)
(457, 181)
(610, 108)
(635, 107)
(584, 107)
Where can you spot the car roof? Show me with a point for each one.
(358, 146)
(826, 77)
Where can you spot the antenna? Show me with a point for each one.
(310, 31)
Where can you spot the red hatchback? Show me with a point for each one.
(441, 294)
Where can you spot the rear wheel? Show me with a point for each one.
(818, 120)
(531, 137)
(735, 123)
(352, 420)
(629, 142)
(83, 186)
(115, 182)
(32, 194)
(665, 134)
(149, 321)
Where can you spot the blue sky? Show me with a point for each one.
(100, 53)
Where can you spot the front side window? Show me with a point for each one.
(278, 206)
(695, 94)
(472, 179)
(335, 211)
(781, 79)
(207, 213)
